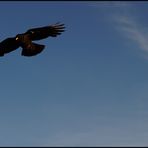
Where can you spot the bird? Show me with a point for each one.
(26, 40)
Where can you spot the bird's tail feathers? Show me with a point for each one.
(32, 50)
(1, 53)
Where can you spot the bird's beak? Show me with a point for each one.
(16, 38)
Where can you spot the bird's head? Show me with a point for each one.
(18, 37)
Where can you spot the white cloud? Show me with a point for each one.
(125, 22)
(134, 32)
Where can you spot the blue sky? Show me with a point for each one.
(88, 87)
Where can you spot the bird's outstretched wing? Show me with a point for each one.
(44, 32)
(8, 45)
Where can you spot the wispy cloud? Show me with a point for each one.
(122, 132)
(134, 32)
(121, 12)
(126, 22)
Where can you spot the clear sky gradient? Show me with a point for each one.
(89, 87)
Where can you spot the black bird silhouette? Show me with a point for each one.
(24, 40)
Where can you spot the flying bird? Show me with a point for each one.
(25, 40)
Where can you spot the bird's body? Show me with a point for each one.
(25, 40)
